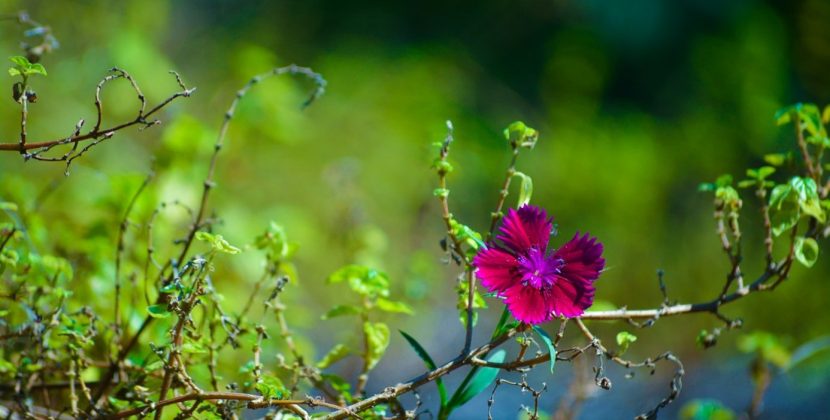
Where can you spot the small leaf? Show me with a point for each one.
(36, 68)
(341, 310)
(337, 353)
(548, 343)
(784, 208)
(387, 305)
(625, 339)
(467, 235)
(778, 159)
(158, 311)
(520, 135)
(377, 340)
(21, 61)
(706, 409)
(806, 251)
(430, 364)
(363, 280)
(479, 381)
(766, 345)
(525, 189)
(271, 388)
(217, 242)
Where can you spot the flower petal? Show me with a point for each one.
(527, 304)
(527, 227)
(570, 297)
(497, 269)
(582, 257)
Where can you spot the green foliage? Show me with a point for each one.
(767, 346)
(806, 251)
(704, 409)
(362, 280)
(811, 121)
(548, 342)
(480, 380)
(525, 189)
(337, 353)
(430, 364)
(393, 306)
(468, 236)
(272, 388)
(789, 202)
(158, 311)
(342, 310)
(377, 340)
(520, 135)
(625, 339)
(217, 243)
(22, 67)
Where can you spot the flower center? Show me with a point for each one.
(537, 270)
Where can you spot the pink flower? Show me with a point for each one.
(537, 285)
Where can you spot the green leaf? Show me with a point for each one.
(337, 353)
(503, 326)
(706, 409)
(341, 310)
(766, 345)
(271, 388)
(625, 339)
(377, 340)
(479, 381)
(548, 343)
(808, 199)
(217, 242)
(363, 280)
(760, 173)
(784, 208)
(777, 159)
(525, 189)
(806, 251)
(430, 364)
(520, 135)
(808, 350)
(158, 311)
(467, 235)
(275, 242)
(7, 206)
(393, 306)
(36, 68)
(21, 61)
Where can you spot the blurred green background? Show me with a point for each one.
(636, 102)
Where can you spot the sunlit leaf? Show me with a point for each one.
(337, 353)
(806, 251)
(377, 340)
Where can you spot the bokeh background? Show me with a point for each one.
(637, 103)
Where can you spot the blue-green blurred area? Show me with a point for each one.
(636, 103)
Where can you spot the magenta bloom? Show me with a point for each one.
(537, 285)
